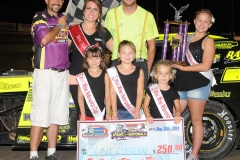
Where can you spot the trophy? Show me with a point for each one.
(178, 48)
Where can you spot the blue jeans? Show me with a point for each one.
(199, 93)
(124, 115)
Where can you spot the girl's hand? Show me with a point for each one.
(108, 117)
(137, 116)
(177, 119)
(178, 67)
(150, 120)
(114, 117)
(83, 117)
(178, 37)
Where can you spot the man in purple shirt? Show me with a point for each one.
(50, 78)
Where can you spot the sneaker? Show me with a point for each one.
(34, 158)
(54, 156)
(192, 157)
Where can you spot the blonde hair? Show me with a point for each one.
(207, 11)
(160, 63)
(126, 43)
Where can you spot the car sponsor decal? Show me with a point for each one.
(225, 44)
(232, 56)
(231, 75)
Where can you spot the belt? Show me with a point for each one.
(58, 70)
(140, 60)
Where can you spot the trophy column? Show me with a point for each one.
(178, 48)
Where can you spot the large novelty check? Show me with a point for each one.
(131, 140)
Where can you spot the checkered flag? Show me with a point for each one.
(75, 14)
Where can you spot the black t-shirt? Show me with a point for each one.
(129, 83)
(98, 89)
(186, 81)
(77, 58)
(169, 96)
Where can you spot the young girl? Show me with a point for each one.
(193, 82)
(127, 84)
(93, 86)
(160, 95)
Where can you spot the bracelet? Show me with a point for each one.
(60, 26)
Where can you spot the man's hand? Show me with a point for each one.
(63, 21)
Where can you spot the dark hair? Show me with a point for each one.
(126, 43)
(94, 51)
(99, 5)
(207, 11)
(165, 63)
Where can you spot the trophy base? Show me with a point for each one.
(179, 63)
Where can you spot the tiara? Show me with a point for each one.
(95, 46)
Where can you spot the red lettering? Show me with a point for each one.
(120, 89)
(85, 86)
(166, 148)
(95, 111)
(131, 125)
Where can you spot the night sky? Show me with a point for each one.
(23, 11)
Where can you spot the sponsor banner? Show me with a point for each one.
(130, 140)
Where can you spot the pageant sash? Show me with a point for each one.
(79, 38)
(160, 102)
(117, 84)
(88, 95)
(209, 75)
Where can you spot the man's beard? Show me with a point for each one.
(52, 8)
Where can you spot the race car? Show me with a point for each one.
(220, 119)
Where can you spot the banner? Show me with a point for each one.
(131, 140)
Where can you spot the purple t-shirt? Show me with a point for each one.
(55, 53)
